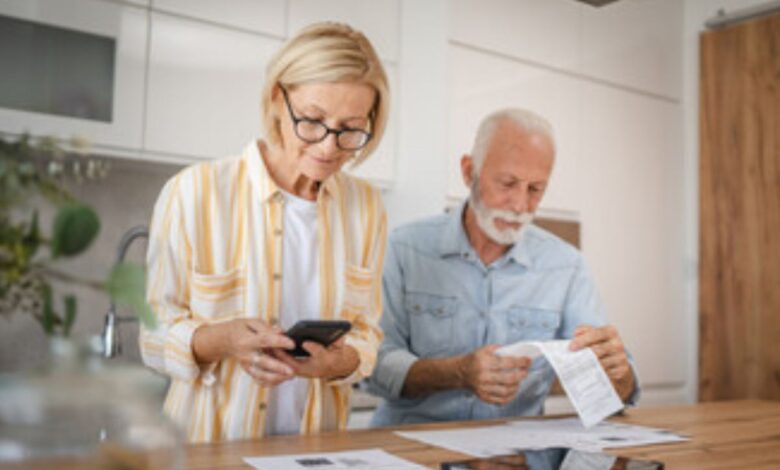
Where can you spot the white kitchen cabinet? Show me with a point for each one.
(379, 20)
(204, 88)
(635, 43)
(140, 3)
(538, 31)
(68, 111)
(483, 83)
(262, 16)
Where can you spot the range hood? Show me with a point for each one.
(597, 3)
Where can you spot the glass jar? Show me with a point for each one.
(84, 411)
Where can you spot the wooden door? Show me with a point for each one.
(739, 291)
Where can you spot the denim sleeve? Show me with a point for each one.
(583, 307)
(394, 358)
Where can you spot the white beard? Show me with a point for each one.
(487, 216)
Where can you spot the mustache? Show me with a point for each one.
(511, 216)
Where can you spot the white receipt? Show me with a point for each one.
(581, 375)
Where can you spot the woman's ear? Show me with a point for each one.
(276, 92)
(275, 116)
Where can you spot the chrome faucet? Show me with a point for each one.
(110, 337)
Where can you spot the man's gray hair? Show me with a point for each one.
(528, 121)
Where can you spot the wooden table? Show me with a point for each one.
(724, 435)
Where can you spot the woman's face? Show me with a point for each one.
(340, 106)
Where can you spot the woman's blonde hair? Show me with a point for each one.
(327, 52)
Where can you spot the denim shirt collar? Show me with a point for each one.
(454, 241)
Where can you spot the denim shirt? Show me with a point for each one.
(440, 300)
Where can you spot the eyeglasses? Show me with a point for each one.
(313, 131)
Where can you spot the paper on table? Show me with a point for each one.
(582, 377)
(506, 439)
(604, 435)
(578, 460)
(370, 459)
(479, 442)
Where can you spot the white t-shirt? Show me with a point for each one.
(300, 301)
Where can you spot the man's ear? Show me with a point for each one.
(467, 169)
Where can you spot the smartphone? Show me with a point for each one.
(553, 459)
(323, 332)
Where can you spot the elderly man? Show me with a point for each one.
(459, 286)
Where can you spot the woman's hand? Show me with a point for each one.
(336, 361)
(251, 342)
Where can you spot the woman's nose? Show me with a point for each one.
(329, 145)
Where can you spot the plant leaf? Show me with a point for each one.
(126, 285)
(70, 314)
(75, 227)
(49, 317)
(32, 238)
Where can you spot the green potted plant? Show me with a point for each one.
(34, 172)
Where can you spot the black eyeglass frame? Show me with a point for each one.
(328, 130)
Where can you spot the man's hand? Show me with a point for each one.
(494, 379)
(609, 349)
(336, 361)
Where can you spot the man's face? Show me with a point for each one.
(512, 181)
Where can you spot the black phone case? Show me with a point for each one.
(323, 332)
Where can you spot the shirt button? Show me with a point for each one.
(277, 276)
(277, 231)
(262, 406)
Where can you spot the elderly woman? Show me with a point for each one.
(242, 248)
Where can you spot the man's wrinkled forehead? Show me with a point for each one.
(512, 145)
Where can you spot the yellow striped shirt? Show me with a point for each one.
(215, 254)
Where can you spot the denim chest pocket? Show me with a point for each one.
(531, 324)
(431, 322)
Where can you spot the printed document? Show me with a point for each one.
(504, 439)
(581, 375)
(370, 459)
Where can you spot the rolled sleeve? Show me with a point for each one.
(367, 359)
(180, 361)
(390, 375)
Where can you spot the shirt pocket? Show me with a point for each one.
(218, 295)
(431, 322)
(531, 324)
(358, 283)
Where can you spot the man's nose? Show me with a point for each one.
(519, 202)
